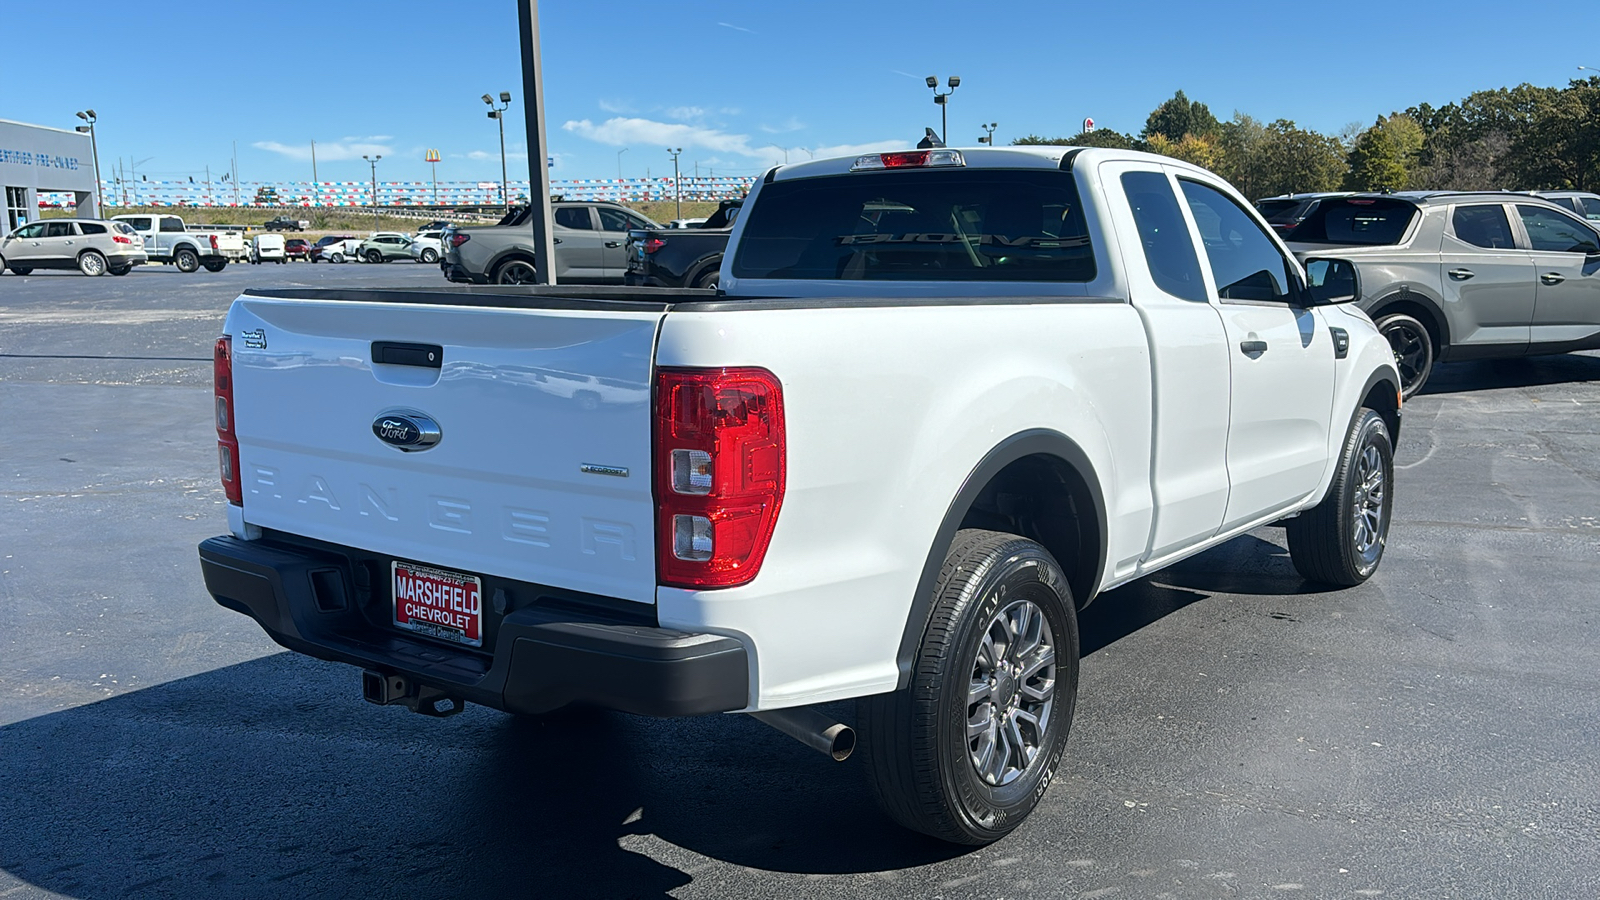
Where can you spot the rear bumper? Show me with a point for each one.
(546, 655)
(458, 274)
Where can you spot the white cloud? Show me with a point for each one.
(636, 132)
(906, 74)
(793, 124)
(332, 151)
(737, 28)
(685, 113)
(616, 106)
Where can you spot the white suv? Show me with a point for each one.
(92, 246)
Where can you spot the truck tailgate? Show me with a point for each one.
(542, 469)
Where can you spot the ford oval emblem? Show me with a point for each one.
(406, 430)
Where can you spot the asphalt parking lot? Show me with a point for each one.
(1432, 733)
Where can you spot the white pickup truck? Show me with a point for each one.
(943, 399)
(168, 240)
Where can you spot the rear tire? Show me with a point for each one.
(1341, 541)
(516, 271)
(217, 266)
(1412, 344)
(22, 270)
(337, 257)
(966, 750)
(430, 257)
(374, 256)
(186, 260)
(708, 279)
(91, 263)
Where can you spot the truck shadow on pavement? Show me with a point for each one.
(1520, 372)
(272, 776)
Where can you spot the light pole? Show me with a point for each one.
(619, 162)
(1594, 69)
(943, 102)
(373, 162)
(499, 115)
(677, 184)
(134, 168)
(99, 198)
(989, 137)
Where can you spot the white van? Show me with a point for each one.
(267, 248)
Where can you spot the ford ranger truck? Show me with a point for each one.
(943, 399)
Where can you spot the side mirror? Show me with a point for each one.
(1331, 281)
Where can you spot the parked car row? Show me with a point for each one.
(1450, 275)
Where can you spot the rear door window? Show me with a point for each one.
(615, 220)
(1168, 248)
(140, 224)
(91, 228)
(58, 229)
(1483, 225)
(574, 217)
(1568, 202)
(1373, 221)
(1591, 208)
(920, 225)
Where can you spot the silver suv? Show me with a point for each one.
(1450, 276)
(92, 246)
(589, 241)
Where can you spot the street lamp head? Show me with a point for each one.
(505, 96)
(494, 113)
(487, 99)
(933, 81)
(85, 117)
(91, 114)
(955, 82)
(82, 129)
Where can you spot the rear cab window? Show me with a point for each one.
(951, 225)
(1367, 221)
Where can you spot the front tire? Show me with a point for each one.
(337, 257)
(1342, 540)
(22, 270)
(217, 266)
(374, 256)
(186, 260)
(430, 257)
(1412, 344)
(122, 270)
(709, 279)
(965, 751)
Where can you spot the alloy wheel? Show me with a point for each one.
(1011, 693)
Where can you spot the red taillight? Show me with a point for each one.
(458, 239)
(213, 242)
(720, 459)
(227, 439)
(651, 245)
(121, 239)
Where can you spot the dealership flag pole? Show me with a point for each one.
(538, 162)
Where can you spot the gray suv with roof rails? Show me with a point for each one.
(1452, 275)
(589, 239)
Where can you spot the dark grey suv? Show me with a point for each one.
(1451, 276)
(589, 241)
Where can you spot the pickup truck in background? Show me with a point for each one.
(681, 257)
(168, 240)
(943, 399)
(588, 244)
(285, 223)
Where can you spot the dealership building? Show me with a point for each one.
(34, 158)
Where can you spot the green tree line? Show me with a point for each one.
(1520, 138)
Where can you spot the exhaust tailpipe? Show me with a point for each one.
(810, 727)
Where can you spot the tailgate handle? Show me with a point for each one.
(396, 353)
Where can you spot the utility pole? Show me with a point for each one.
(538, 157)
(235, 173)
(619, 162)
(373, 162)
(209, 202)
(677, 182)
(313, 173)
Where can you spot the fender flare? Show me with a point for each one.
(1035, 442)
(1427, 303)
(702, 265)
(508, 254)
(1391, 417)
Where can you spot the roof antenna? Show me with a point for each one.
(929, 140)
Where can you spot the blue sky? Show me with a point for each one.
(736, 84)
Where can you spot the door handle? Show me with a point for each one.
(1460, 274)
(1552, 278)
(1253, 347)
(613, 244)
(555, 240)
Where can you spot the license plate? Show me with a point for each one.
(438, 603)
